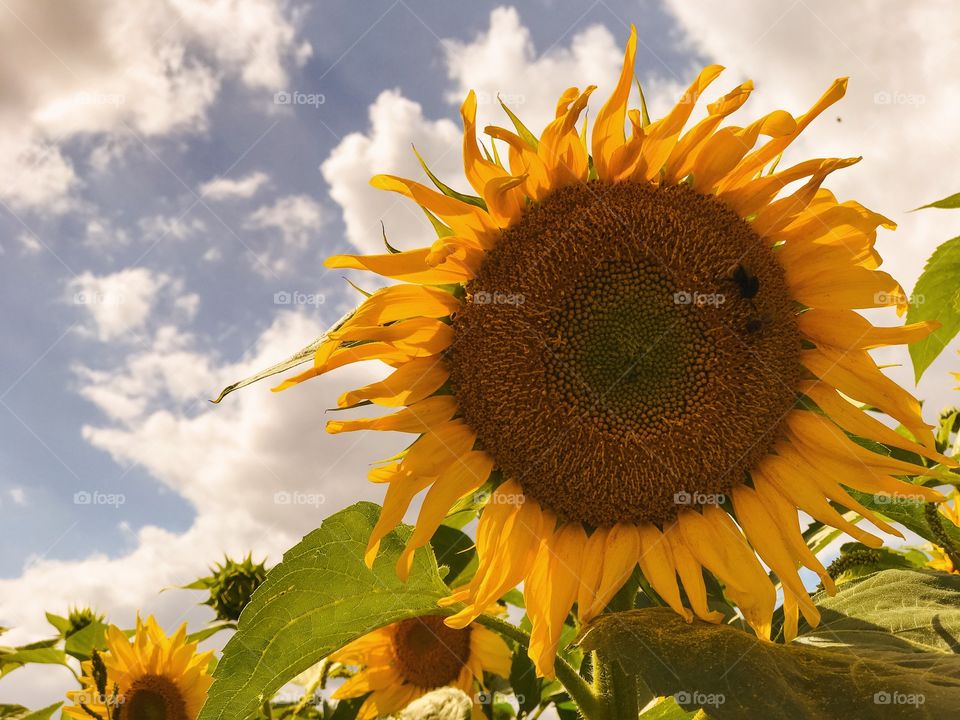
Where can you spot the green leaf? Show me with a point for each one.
(910, 514)
(732, 674)
(318, 599)
(455, 549)
(18, 712)
(83, 642)
(936, 296)
(523, 680)
(62, 624)
(948, 203)
(667, 709)
(211, 630)
(919, 609)
(42, 653)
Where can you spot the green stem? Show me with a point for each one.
(581, 693)
(619, 691)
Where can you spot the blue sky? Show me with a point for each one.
(154, 198)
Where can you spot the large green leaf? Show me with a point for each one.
(732, 674)
(936, 296)
(318, 599)
(913, 609)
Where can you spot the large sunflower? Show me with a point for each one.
(646, 348)
(150, 676)
(406, 660)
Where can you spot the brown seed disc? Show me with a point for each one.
(153, 697)
(430, 654)
(627, 350)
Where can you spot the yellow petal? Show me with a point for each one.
(410, 266)
(656, 562)
(461, 477)
(608, 129)
(408, 384)
(420, 417)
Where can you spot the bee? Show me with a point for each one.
(748, 284)
(755, 325)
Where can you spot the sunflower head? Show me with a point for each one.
(646, 338)
(148, 677)
(404, 661)
(231, 585)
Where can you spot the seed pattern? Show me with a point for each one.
(626, 370)
(429, 653)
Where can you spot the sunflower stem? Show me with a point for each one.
(579, 690)
(620, 691)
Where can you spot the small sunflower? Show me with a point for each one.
(645, 348)
(406, 660)
(939, 559)
(150, 676)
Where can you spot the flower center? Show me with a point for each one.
(430, 654)
(626, 351)
(153, 697)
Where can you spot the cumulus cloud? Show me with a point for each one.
(122, 68)
(297, 219)
(121, 303)
(503, 60)
(258, 470)
(228, 188)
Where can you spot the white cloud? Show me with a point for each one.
(18, 495)
(297, 218)
(29, 244)
(122, 302)
(229, 461)
(395, 124)
(899, 113)
(160, 227)
(226, 188)
(504, 60)
(501, 60)
(122, 67)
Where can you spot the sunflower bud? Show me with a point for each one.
(231, 586)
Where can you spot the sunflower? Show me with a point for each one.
(939, 559)
(150, 676)
(643, 347)
(406, 660)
